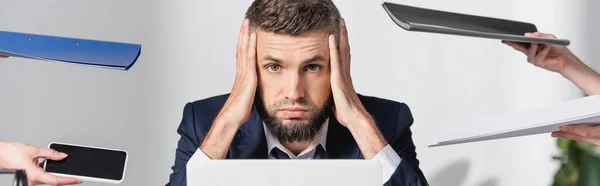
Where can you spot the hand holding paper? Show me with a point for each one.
(561, 60)
(580, 133)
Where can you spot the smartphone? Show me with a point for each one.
(88, 163)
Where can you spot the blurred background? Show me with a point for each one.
(188, 53)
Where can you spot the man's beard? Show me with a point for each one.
(294, 130)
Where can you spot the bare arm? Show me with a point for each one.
(582, 75)
(561, 60)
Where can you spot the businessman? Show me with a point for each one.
(561, 60)
(293, 98)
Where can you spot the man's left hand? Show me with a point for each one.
(348, 108)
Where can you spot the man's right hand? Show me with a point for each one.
(238, 107)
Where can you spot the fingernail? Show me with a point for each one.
(63, 154)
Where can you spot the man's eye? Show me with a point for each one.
(312, 68)
(273, 68)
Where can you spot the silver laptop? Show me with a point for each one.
(285, 172)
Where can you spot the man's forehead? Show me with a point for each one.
(310, 38)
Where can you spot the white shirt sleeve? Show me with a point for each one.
(389, 162)
(198, 156)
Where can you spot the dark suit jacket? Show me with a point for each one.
(393, 119)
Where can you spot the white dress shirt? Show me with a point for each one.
(388, 157)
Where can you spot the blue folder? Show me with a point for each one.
(70, 50)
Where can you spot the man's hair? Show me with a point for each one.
(294, 17)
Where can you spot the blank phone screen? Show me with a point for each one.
(90, 162)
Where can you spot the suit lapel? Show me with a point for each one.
(250, 141)
(340, 143)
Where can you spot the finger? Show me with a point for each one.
(516, 46)
(344, 47)
(334, 56)
(576, 137)
(538, 35)
(1, 56)
(545, 35)
(49, 154)
(245, 38)
(541, 56)
(39, 175)
(581, 130)
(240, 56)
(532, 52)
(240, 38)
(240, 47)
(251, 60)
(532, 34)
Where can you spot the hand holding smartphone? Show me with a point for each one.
(89, 163)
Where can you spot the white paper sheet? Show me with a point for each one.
(584, 111)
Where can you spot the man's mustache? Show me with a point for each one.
(302, 103)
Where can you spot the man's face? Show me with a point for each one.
(294, 83)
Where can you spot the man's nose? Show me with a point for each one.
(295, 87)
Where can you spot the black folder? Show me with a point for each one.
(441, 22)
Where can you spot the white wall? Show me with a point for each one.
(189, 54)
(42, 102)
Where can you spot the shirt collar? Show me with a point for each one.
(320, 138)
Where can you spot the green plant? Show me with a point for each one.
(580, 164)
